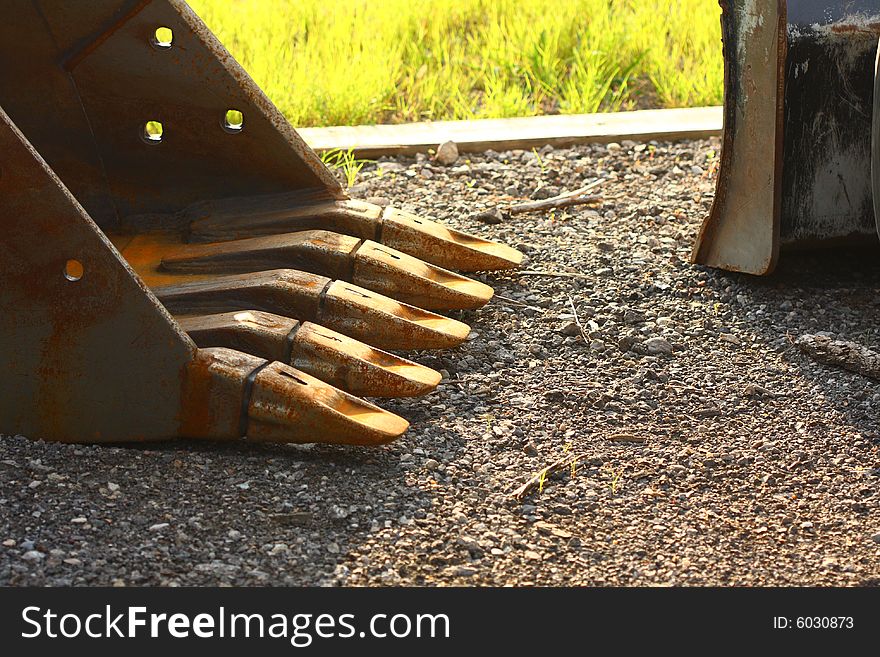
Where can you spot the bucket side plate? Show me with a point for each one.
(741, 232)
(86, 351)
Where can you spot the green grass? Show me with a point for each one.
(335, 62)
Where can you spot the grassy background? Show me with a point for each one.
(343, 62)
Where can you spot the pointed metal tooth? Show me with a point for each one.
(395, 274)
(344, 307)
(422, 238)
(365, 263)
(357, 367)
(230, 394)
(354, 311)
(445, 247)
(287, 405)
(332, 357)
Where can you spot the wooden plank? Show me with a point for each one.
(372, 141)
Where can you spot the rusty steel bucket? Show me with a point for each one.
(177, 262)
(799, 163)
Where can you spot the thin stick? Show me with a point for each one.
(517, 303)
(553, 204)
(578, 320)
(540, 478)
(550, 274)
(577, 197)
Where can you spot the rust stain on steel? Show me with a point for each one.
(404, 231)
(332, 357)
(868, 28)
(741, 232)
(96, 112)
(76, 353)
(344, 307)
(71, 61)
(93, 350)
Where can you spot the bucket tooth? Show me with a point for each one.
(395, 274)
(128, 136)
(321, 412)
(355, 311)
(445, 247)
(230, 395)
(332, 357)
(344, 307)
(357, 367)
(365, 263)
(262, 334)
(419, 237)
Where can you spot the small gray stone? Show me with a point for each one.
(447, 153)
(657, 345)
(464, 571)
(570, 329)
(632, 316)
(492, 217)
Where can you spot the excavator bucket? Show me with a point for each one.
(176, 262)
(800, 131)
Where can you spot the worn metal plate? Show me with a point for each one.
(88, 353)
(742, 230)
(826, 179)
(82, 79)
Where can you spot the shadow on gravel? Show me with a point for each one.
(836, 291)
(192, 513)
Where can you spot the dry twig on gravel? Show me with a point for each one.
(538, 480)
(577, 320)
(551, 274)
(577, 197)
(848, 355)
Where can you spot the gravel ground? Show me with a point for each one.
(710, 451)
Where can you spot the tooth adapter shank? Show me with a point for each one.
(347, 308)
(418, 237)
(327, 355)
(364, 263)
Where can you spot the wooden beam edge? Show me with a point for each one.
(525, 133)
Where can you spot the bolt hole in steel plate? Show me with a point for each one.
(233, 121)
(163, 38)
(74, 270)
(153, 132)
